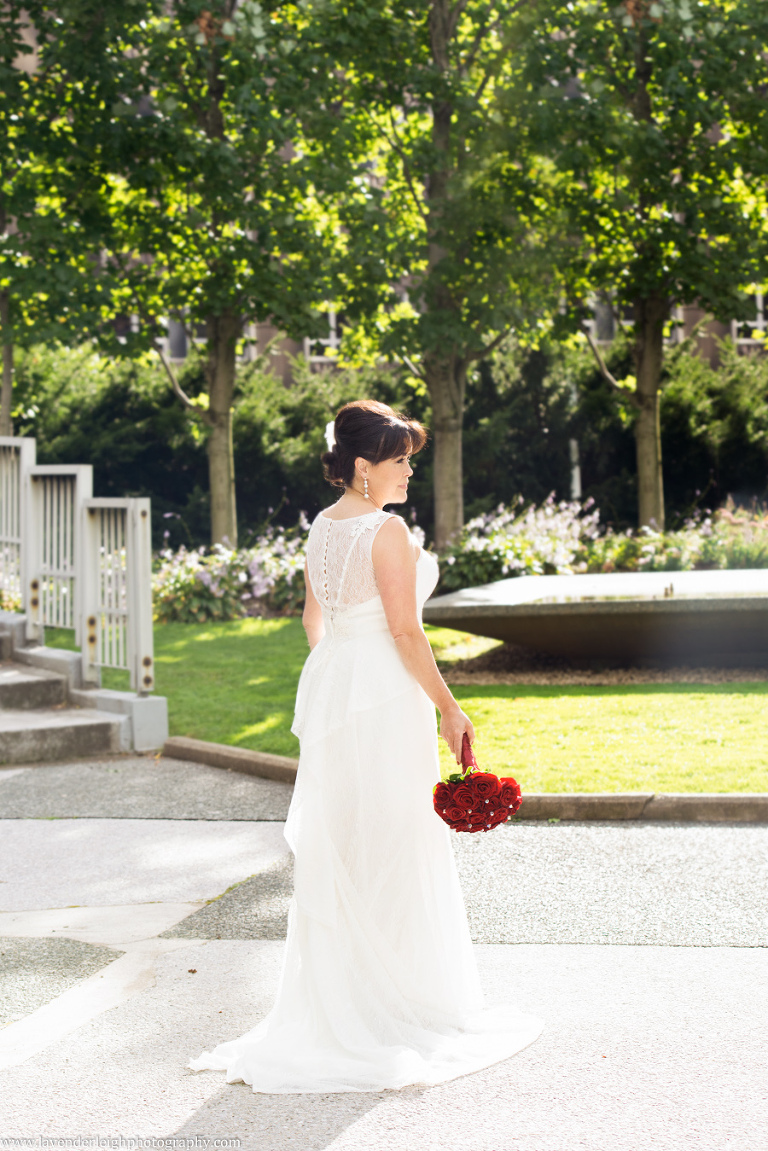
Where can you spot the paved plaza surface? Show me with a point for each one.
(142, 917)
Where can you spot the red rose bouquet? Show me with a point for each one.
(475, 800)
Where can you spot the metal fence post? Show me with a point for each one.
(141, 657)
(89, 583)
(17, 456)
(33, 559)
(27, 460)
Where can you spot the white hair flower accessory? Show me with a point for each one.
(330, 435)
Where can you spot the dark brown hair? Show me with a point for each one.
(372, 430)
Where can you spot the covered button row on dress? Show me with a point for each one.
(325, 560)
(337, 624)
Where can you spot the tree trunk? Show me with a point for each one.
(6, 391)
(650, 315)
(444, 370)
(446, 381)
(223, 332)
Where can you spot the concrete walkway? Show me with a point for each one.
(142, 911)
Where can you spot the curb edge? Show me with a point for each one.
(683, 807)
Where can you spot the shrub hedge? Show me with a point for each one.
(523, 408)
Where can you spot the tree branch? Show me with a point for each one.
(454, 15)
(179, 392)
(485, 30)
(504, 51)
(406, 169)
(606, 374)
(489, 347)
(412, 367)
(490, 70)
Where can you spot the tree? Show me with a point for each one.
(191, 132)
(217, 218)
(49, 204)
(458, 214)
(654, 113)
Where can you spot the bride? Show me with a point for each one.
(379, 987)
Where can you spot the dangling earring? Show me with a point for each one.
(365, 481)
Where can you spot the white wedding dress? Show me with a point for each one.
(379, 987)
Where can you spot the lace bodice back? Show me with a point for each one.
(339, 559)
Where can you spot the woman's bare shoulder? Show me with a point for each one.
(393, 528)
(393, 541)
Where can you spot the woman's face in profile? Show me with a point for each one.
(388, 481)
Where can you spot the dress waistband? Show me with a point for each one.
(357, 620)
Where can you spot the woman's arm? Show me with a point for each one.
(312, 617)
(394, 562)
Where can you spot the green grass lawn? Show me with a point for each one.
(232, 682)
(235, 683)
(642, 737)
(226, 682)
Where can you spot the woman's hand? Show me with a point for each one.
(453, 724)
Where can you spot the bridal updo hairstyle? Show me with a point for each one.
(372, 430)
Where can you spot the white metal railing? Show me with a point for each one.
(117, 589)
(108, 593)
(55, 495)
(17, 455)
(77, 562)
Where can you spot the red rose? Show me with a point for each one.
(481, 825)
(463, 796)
(495, 816)
(462, 824)
(454, 812)
(510, 796)
(442, 794)
(483, 785)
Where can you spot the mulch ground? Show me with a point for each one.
(512, 664)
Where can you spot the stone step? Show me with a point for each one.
(29, 687)
(47, 735)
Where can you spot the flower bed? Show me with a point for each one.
(562, 538)
(728, 538)
(565, 538)
(220, 583)
(9, 601)
(545, 540)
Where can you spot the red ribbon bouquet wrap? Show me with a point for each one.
(475, 800)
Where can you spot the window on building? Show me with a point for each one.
(751, 333)
(176, 343)
(322, 350)
(604, 324)
(125, 325)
